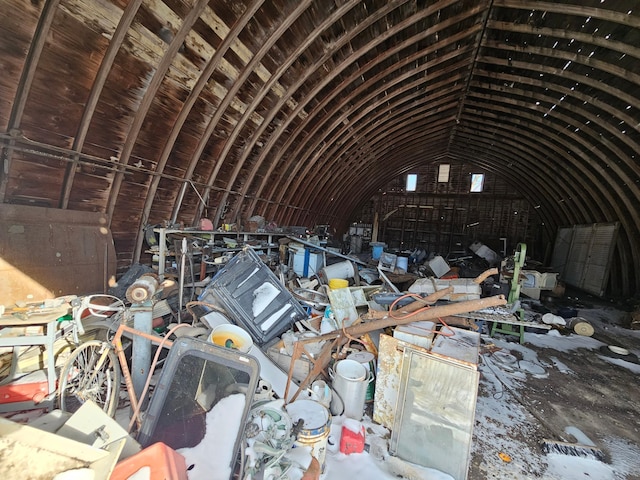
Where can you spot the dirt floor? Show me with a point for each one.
(560, 387)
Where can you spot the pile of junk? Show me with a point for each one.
(245, 381)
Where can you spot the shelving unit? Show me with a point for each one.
(208, 237)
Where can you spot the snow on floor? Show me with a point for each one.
(375, 464)
(634, 367)
(499, 415)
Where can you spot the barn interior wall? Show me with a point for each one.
(444, 218)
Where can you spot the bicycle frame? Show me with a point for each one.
(162, 342)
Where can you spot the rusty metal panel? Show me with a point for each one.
(387, 381)
(388, 378)
(45, 253)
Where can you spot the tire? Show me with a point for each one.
(80, 381)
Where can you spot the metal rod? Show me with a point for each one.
(309, 244)
(141, 357)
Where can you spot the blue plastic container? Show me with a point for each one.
(377, 249)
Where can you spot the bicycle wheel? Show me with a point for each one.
(90, 373)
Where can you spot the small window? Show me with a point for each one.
(477, 181)
(443, 173)
(412, 182)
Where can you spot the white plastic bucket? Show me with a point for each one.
(350, 382)
(231, 336)
(339, 270)
(367, 359)
(315, 429)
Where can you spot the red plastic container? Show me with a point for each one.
(351, 441)
(164, 463)
(33, 387)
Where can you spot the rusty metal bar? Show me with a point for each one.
(126, 373)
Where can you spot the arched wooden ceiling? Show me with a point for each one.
(300, 110)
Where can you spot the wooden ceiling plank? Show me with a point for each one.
(586, 38)
(564, 55)
(247, 71)
(568, 9)
(96, 90)
(531, 163)
(423, 110)
(542, 84)
(230, 39)
(296, 154)
(601, 122)
(340, 176)
(598, 139)
(300, 81)
(24, 87)
(149, 95)
(266, 148)
(255, 102)
(548, 129)
(330, 150)
(355, 113)
(320, 107)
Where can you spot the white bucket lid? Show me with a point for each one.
(362, 357)
(314, 414)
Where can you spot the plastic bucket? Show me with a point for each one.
(339, 270)
(231, 336)
(376, 251)
(368, 360)
(336, 283)
(350, 382)
(315, 429)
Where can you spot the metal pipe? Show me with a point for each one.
(141, 356)
(429, 314)
(141, 293)
(309, 244)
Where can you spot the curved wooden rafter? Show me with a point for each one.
(186, 109)
(26, 80)
(149, 95)
(320, 107)
(96, 90)
(300, 81)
